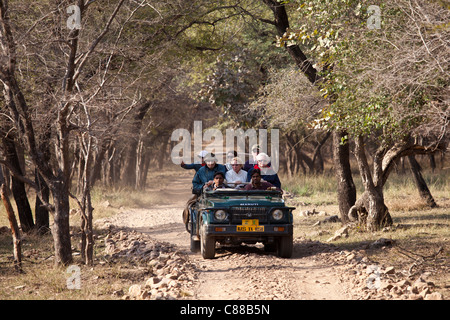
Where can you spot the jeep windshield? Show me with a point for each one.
(244, 195)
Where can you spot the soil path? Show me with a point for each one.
(244, 272)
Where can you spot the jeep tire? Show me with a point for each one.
(207, 244)
(195, 244)
(285, 246)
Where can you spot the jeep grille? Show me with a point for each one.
(239, 213)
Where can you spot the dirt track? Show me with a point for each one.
(245, 272)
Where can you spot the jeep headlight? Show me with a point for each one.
(277, 214)
(220, 215)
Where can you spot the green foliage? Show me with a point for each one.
(379, 81)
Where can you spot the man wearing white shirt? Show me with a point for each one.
(236, 175)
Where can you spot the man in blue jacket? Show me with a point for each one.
(205, 175)
(196, 166)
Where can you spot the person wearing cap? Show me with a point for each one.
(267, 172)
(202, 176)
(217, 183)
(251, 162)
(196, 166)
(206, 173)
(236, 176)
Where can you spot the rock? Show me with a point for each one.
(382, 242)
(419, 285)
(122, 236)
(389, 270)
(135, 290)
(386, 286)
(331, 219)
(414, 296)
(306, 213)
(403, 283)
(351, 256)
(164, 257)
(161, 284)
(424, 292)
(434, 296)
(145, 295)
(118, 293)
(105, 204)
(110, 246)
(152, 282)
(342, 232)
(172, 276)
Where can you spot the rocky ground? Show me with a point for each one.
(157, 238)
(316, 271)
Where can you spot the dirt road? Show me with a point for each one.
(245, 272)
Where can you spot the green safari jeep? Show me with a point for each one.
(230, 216)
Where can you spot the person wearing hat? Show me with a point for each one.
(196, 166)
(267, 172)
(251, 162)
(217, 183)
(203, 175)
(236, 175)
(206, 173)
(230, 155)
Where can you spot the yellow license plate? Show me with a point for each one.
(250, 228)
(250, 222)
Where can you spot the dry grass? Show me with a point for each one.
(41, 280)
(421, 233)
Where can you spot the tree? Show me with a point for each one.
(346, 187)
(386, 84)
(56, 173)
(290, 102)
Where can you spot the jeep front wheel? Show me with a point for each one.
(207, 244)
(285, 246)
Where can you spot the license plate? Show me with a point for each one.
(250, 222)
(250, 228)
(250, 225)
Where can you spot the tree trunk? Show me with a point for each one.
(18, 187)
(40, 211)
(317, 156)
(17, 242)
(424, 192)
(346, 189)
(128, 175)
(282, 24)
(61, 228)
(372, 202)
